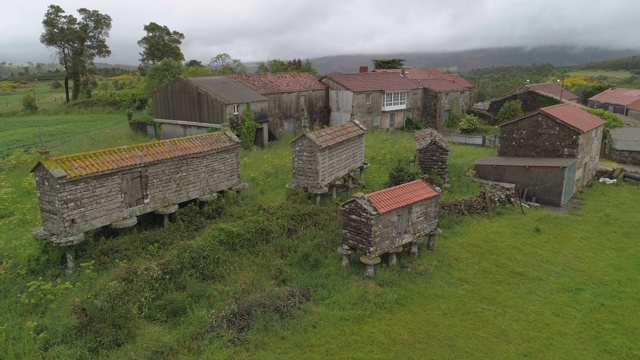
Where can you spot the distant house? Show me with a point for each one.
(534, 97)
(443, 94)
(190, 105)
(296, 99)
(377, 100)
(619, 101)
(560, 136)
(624, 145)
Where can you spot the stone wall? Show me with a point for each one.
(433, 158)
(305, 163)
(340, 159)
(90, 202)
(435, 104)
(498, 195)
(538, 136)
(625, 157)
(357, 220)
(531, 101)
(289, 106)
(588, 157)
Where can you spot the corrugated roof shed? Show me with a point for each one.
(567, 114)
(225, 89)
(618, 96)
(101, 161)
(524, 161)
(626, 138)
(336, 134)
(373, 81)
(401, 195)
(283, 82)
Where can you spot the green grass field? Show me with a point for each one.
(596, 73)
(263, 280)
(46, 97)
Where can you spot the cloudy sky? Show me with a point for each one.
(257, 30)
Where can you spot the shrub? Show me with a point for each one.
(612, 119)
(29, 104)
(510, 110)
(452, 120)
(55, 84)
(468, 124)
(434, 179)
(402, 173)
(247, 129)
(414, 123)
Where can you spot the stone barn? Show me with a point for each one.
(386, 220)
(555, 132)
(534, 97)
(322, 158)
(432, 152)
(83, 192)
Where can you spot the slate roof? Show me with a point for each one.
(224, 89)
(283, 82)
(554, 90)
(524, 161)
(626, 138)
(372, 81)
(334, 135)
(427, 136)
(401, 195)
(618, 96)
(567, 114)
(101, 161)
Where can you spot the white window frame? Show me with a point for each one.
(235, 109)
(368, 99)
(394, 100)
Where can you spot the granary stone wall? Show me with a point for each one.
(433, 158)
(538, 136)
(305, 163)
(90, 202)
(48, 197)
(588, 156)
(340, 159)
(375, 235)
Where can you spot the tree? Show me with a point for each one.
(29, 104)
(223, 64)
(401, 173)
(277, 65)
(160, 43)
(77, 42)
(612, 119)
(388, 63)
(193, 62)
(160, 74)
(510, 110)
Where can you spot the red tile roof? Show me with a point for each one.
(283, 82)
(373, 81)
(567, 114)
(554, 90)
(337, 134)
(96, 162)
(441, 85)
(400, 196)
(427, 136)
(618, 96)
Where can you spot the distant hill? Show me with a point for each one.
(464, 61)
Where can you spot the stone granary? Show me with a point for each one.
(386, 220)
(322, 159)
(432, 153)
(83, 192)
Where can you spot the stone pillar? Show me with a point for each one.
(123, 224)
(431, 243)
(71, 266)
(346, 252)
(369, 265)
(166, 211)
(413, 251)
(238, 189)
(318, 192)
(334, 194)
(393, 258)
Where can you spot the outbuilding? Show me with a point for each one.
(432, 153)
(322, 158)
(83, 192)
(384, 221)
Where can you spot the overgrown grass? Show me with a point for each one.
(263, 280)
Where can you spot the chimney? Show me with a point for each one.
(430, 73)
(403, 72)
(364, 69)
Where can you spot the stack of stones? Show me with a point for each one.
(432, 153)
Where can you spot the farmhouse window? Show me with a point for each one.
(396, 100)
(133, 189)
(368, 99)
(235, 109)
(376, 120)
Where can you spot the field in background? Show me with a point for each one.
(505, 285)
